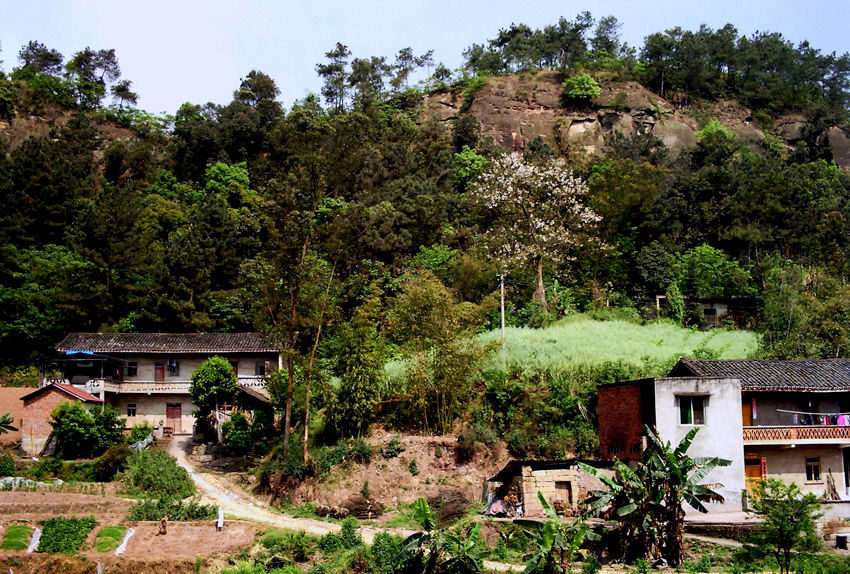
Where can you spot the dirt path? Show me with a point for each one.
(239, 504)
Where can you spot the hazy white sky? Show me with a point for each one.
(181, 50)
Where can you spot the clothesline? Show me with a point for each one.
(834, 414)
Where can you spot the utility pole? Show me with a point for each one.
(502, 306)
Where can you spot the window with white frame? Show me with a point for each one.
(692, 409)
(131, 409)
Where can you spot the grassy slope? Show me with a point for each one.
(580, 340)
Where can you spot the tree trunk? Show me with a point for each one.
(540, 292)
(310, 366)
(287, 419)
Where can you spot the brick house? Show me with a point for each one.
(780, 419)
(35, 428)
(561, 482)
(146, 376)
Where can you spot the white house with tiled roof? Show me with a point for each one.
(773, 419)
(146, 376)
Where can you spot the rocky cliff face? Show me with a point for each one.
(515, 110)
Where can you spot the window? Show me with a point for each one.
(813, 470)
(235, 366)
(131, 369)
(173, 368)
(692, 410)
(131, 409)
(260, 368)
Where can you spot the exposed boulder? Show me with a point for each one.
(676, 135)
(839, 143)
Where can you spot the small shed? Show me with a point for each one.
(36, 428)
(561, 482)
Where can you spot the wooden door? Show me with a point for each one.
(747, 413)
(174, 417)
(753, 472)
(159, 372)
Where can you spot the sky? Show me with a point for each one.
(197, 51)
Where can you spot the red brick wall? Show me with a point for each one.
(36, 427)
(620, 421)
(10, 402)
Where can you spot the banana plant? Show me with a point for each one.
(557, 542)
(463, 548)
(6, 424)
(647, 499)
(427, 545)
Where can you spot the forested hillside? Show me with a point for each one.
(369, 223)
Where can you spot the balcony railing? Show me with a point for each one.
(97, 386)
(796, 433)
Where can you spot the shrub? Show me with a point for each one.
(393, 448)
(700, 566)
(236, 434)
(180, 511)
(581, 87)
(7, 464)
(386, 552)
(157, 472)
(139, 432)
(591, 565)
(46, 467)
(330, 543)
(110, 463)
(16, 538)
(413, 467)
(349, 536)
(355, 450)
(65, 535)
(364, 492)
(286, 543)
(83, 433)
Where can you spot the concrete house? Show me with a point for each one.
(146, 376)
(780, 419)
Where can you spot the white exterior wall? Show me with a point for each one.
(720, 436)
(151, 409)
(188, 363)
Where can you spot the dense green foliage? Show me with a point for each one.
(236, 433)
(83, 433)
(65, 535)
(174, 509)
(213, 384)
(764, 71)
(156, 472)
(355, 230)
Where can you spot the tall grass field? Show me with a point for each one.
(581, 341)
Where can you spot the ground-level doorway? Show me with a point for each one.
(174, 417)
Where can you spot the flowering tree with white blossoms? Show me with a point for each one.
(538, 212)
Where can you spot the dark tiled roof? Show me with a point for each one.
(764, 375)
(68, 390)
(166, 343)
